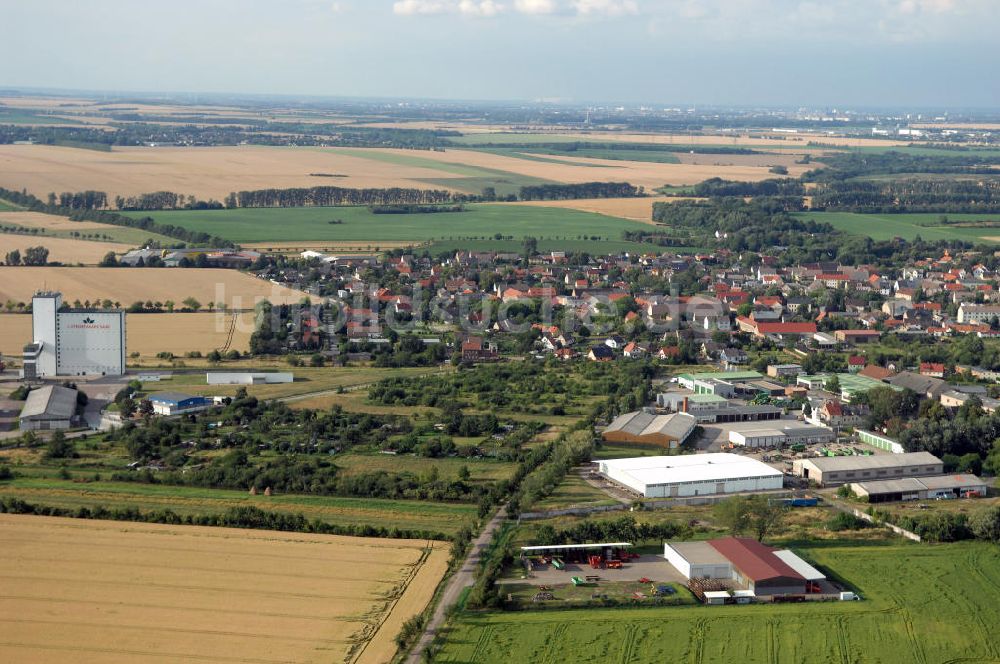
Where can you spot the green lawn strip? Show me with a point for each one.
(478, 221)
(571, 492)
(415, 515)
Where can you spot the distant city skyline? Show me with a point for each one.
(768, 53)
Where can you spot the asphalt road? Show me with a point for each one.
(462, 579)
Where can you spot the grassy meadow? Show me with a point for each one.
(926, 604)
(358, 224)
(79, 492)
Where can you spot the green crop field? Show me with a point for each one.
(7, 206)
(358, 224)
(908, 225)
(923, 604)
(923, 151)
(17, 116)
(444, 518)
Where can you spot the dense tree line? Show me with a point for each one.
(560, 192)
(909, 195)
(848, 165)
(329, 196)
(414, 209)
(763, 225)
(164, 200)
(720, 187)
(81, 200)
(623, 529)
(135, 129)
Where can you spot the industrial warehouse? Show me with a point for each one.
(690, 475)
(754, 569)
(644, 428)
(49, 408)
(941, 487)
(781, 434)
(73, 342)
(834, 471)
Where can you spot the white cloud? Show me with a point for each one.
(485, 8)
(535, 6)
(605, 7)
(418, 7)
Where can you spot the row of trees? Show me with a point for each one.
(329, 196)
(560, 192)
(32, 256)
(909, 195)
(719, 187)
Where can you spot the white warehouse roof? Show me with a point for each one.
(804, 569)
(688, 468)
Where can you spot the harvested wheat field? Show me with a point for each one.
(202, 172)
(635, 209)
(61, 249)
(762, 141)
(102, 591)
(569, 169)
(149, 334)
(127, 285)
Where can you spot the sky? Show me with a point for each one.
(816, 53)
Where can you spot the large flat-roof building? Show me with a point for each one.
(640, 427)
(48, 408)
(73, 342)
(248, 377)
(691, 475)
(782, 433)
(923, 488)
(834, 471)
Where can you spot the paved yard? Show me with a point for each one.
(648, 566)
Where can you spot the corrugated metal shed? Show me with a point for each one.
(50, 402)
(754, 560)
(804, 569)
(835, 464)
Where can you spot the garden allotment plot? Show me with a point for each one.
(112, 592)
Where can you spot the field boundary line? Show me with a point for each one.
(144, 653)
(415, 568)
